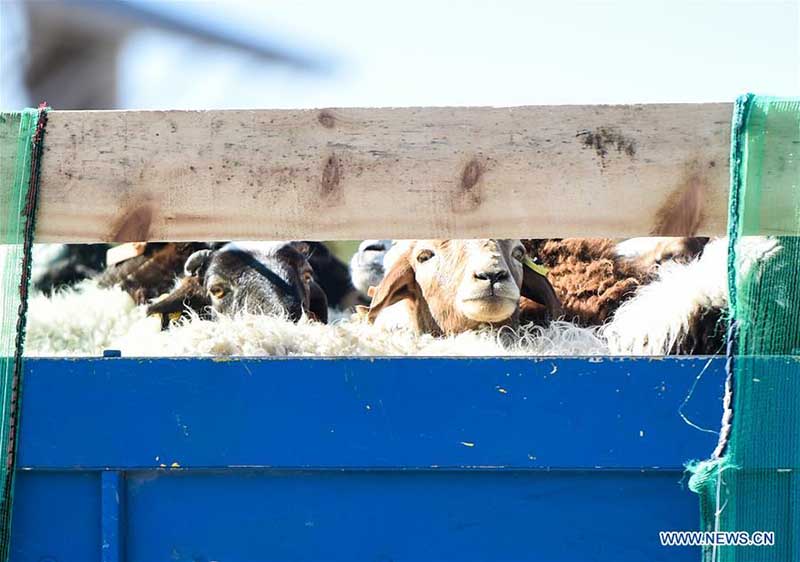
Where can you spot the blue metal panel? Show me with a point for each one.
(419, 515)
(515, 413)
(56, 517)
(112, 497)
(382, 459)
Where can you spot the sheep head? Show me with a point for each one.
(452, 286)
(366, 265)
(273, 278)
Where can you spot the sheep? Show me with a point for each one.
(652, 251)
(452, 286)
(591, 276)
(256, 277)
(683, 309)
(366, 264)
(333, 276)
(679, 308)
(591, 279)
(148, 270)
(62, 265)
(594, 278)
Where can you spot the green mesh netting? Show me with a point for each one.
(19, 151)
(754, 485)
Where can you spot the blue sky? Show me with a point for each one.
(497, 53)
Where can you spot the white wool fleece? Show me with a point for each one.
(86, 320)
(660, 312)
(83, 320)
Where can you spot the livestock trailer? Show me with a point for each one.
(204, 459)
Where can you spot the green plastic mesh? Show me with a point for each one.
(19, 152)
(754, 485)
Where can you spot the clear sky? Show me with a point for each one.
(512, 52)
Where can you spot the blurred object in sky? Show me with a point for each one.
(428, 53)
(73, 46)
(483, 52)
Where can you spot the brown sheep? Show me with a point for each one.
(592, 279)
(149, 270)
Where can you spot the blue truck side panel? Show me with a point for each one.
(360, 459)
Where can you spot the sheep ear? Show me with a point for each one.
(318, 303)
(196, 263)
(536, 287)
(399, 283)
(303, 247)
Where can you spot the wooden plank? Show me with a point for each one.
(392, 173)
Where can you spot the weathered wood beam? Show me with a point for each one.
(385, 173)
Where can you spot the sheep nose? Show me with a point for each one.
(492, 276)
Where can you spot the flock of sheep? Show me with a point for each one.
(649, 296)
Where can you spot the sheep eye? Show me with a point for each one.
(518, 254)
(217, 291)
(424, 256)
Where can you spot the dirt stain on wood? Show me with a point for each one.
(682, 212)
(326, 119)
(470, 188)
(134, 225)
(330, 188)
(606, 139)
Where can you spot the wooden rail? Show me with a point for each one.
(395, 173)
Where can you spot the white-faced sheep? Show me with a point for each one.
(451, 286)
(366, 265)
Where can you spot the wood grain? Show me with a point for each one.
(337, 174)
